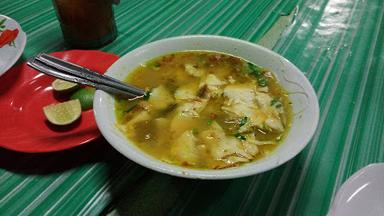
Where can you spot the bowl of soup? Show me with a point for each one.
(215, 108)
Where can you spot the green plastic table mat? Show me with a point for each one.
(338, 44)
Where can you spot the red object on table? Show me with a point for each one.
(23, 94)
(8, 36)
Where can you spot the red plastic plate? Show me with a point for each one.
(23, 94)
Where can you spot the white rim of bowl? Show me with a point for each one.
(248, 169)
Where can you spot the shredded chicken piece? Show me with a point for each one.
(129, 127)
(264, 89)
(241, 102)
(210, 86)
(186, 115)
(231, 80)
(275, 124)
(251, 139)
(187, 92)
(184, 148)
(193, 70)
(160, 98)
(161, 125)
(225, 148)
(245, 101)
(192, 108)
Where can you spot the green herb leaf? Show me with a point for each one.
(255, 70)
(262, 81)
(209, 122)
(147, 95)
(276, 103)
(240, 137)
(2, 22)
(243, 121)
(156, 65)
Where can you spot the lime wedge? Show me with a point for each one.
(85, 96)
(63, 113)
(64, 86)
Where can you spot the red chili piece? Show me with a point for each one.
(8, 36)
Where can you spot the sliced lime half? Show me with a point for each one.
(85, 95)
(64, 86)
(63, 113)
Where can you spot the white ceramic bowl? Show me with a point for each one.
(302, 96)
(361, 194)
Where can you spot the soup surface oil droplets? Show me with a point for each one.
(205, 110)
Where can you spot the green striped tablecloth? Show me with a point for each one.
(338, 44)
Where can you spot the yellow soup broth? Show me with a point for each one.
(205, 110)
